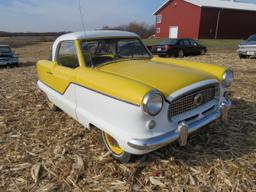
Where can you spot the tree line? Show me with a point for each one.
(142, 29)
(45, 34)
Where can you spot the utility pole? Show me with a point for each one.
(217, 24)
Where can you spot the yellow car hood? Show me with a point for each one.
(166, 78)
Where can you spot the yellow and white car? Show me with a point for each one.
(109, 80)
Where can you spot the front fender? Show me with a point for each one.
(117, 87)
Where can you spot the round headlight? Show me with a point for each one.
(228, 78)
(153, 103)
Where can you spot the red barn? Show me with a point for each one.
(201, 19)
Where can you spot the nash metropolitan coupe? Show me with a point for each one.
(109, 80)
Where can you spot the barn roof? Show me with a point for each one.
(216, 4)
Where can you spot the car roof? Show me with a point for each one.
(4, 45)
(96, 34)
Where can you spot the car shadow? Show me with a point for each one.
(216, 141)
(27, 64)
(22, 64)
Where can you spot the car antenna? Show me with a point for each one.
(81, 15)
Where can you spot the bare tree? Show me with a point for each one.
(142, 29)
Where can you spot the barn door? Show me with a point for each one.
(173, 32)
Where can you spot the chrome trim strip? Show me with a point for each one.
(245, 46)
(159, 141)
(191, 87)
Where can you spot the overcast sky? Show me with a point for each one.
(63, 15)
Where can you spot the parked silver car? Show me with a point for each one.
(247, 48)
(8, 57)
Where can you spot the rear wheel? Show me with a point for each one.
(180, 53)
(117, 152)
(52, 106)
(162, 55)
(203, 51)
(242, 56)
(11, 65)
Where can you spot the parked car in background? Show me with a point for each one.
(180, 48)
(247, 48)
(8, 57)
(109, 80)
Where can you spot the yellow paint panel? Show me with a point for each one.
(214, 70)
(112, 85)
(163, 77)
(55, 76)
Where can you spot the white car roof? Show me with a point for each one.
(90, 35)
(96, 34)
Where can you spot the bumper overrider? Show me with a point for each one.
(183, 130)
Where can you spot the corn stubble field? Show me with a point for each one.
(42, 150)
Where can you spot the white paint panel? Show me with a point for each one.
(122, 120)
(66, 102)
(191, 87)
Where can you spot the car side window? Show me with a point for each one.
(194, 43)
(252, 38)
(67, 55)
(181, 42)
(186, 42)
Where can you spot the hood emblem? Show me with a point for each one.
(198, 99)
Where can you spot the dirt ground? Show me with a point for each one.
(42, 150)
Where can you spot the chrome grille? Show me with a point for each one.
(186, 102)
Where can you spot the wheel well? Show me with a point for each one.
(92, 126)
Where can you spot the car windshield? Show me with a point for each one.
(5, 50)
(252, 38)
(97, 52)
(169, 42)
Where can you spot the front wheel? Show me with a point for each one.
(180, 53)
(116, 151)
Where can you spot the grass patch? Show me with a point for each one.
(210, 43)
(220, 44)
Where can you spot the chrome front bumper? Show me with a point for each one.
(249, 51)
(182, 131)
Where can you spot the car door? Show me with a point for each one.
(63, 74)
(187, 47)
(195, 48)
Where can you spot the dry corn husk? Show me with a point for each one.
(42, 150)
